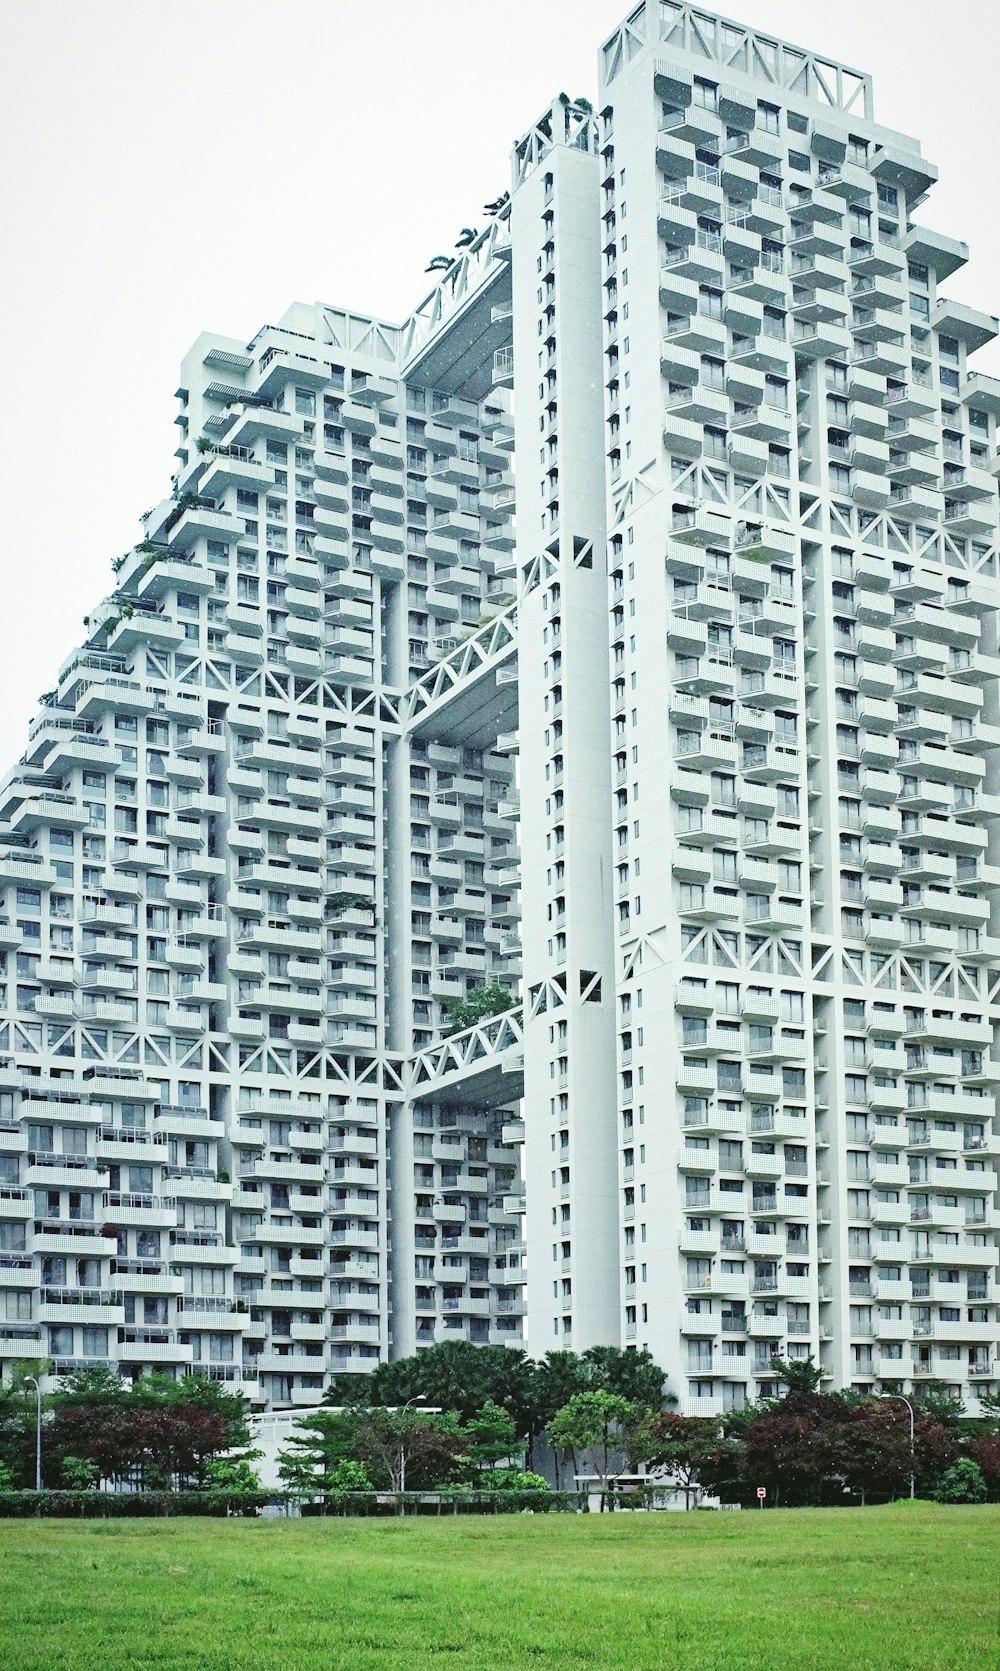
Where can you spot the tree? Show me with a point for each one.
(934, 1401)
(783, 1453)
(962, 1483)
(629, 1374)
(797, 1374)
(937, 1446)
(93, 1386)
(692, 1451)
(234, 1473)
(92, 1429)
(560, 1375)
(172, 1446)
(511, 1379)
(990, 1405)
(478, 1004)
(390, 1384)
(867, 1449)
(402, 1449)
(156, 1391)
(155, 1432)
(316, 1448)
(18, 1412)
(985, 1451)
(596, 1429)
(392, 1446)
(811, 1447)
(454, 1376)
(458, 1376)
(491, 1436)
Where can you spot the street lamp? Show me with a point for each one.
(418, 1398)
(899, 1399)
(33, 1381)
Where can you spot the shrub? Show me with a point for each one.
(79, 1473)
(962, 1483)
(515, 1479)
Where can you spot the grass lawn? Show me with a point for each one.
(890, 1589)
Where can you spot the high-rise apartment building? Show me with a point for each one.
(708, 747)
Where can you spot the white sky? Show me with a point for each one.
(174, 167)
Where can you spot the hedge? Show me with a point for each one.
(370, 1503)
(123, 1505)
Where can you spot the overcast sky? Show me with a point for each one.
(190, 165)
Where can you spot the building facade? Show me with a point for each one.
(699, 764)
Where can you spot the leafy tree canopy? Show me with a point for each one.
(461, 1377)
(478, 1004)
(963, 1482)
(154, 1431)
(595, 1428)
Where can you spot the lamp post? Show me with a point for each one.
(898, 1398)
(418, 1398)
(33, 1381)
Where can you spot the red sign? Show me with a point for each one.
(762, 1490)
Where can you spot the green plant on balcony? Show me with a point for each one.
(185, 502)
(337, 904)
(477, 1005)
(123, 612)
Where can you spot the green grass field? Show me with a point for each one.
(892, 1589)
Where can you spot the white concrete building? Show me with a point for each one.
(734, 691)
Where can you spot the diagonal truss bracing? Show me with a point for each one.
(484, 1064)
(464, 691)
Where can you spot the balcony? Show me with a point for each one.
(700, 259)
(699, 334)
(778, 916)
(707, 750)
